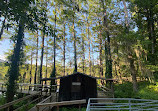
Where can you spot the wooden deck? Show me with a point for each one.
(26, 88)
(50, 99)
(46, 104)
(31, 92)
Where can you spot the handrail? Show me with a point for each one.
(103, 87)
(63, 103)
(28, 103)
(17, 101)
(127, 104)
(49, 97)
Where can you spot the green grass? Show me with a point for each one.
(146, 90)
(72, 109)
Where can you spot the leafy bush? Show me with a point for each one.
(123, 90)
(2, 99)
(146, 90)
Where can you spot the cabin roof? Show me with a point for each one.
(77, 74)
(52, 78)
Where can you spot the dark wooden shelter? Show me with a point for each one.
(77, 86)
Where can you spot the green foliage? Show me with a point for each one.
(72, 109)
(146, 90)
(123, 90)
(2, 99)
(3, 71)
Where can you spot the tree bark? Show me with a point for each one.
(129, 57)
(133, 73)
(42, 53)
(75, 52)
(107, 44)
(35, 78)
(3, 24)
(46, 62)
(108, 73)
(89, 47)
(54, 65)
(31, 67)
(83, 55)
(64, 43)
(100, 55)
(14, 66)
(152, 36)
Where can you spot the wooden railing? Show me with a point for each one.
(107, 91)
(121, 104)
(63, 103)
(27, 88)
(8, 105)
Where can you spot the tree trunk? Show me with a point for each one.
(36, 59)
(100, 55)
(46, 62)
(130, 59)
(75, 52)
(92, 53)
(64, 43)
(89, 47)
(107, 45)
(83, 54)
(25, 72)
(14, 66)
(133, 73)
(3, 24)
(108, 73)
(126, 17)
(54, 67)
(31, 67)
(42, 53)
(152, 37)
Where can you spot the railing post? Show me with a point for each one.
(37, 108)
(88, 106)
(2, 86)
(79, 107)
(129, 101)
(21, 87)
(57, 108)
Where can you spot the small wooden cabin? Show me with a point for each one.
(77, 86)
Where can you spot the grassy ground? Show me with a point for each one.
(72, 109)
(146, 90)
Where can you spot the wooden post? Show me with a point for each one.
(79, 107)
(112, 88)
(2, 86)
(56, 97)
(37, 108)
(50, 88)
(21, 88)
(41, 88)
(57, 108)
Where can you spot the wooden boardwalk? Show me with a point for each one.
(48, 100)
(31, 92)
(28, 88)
